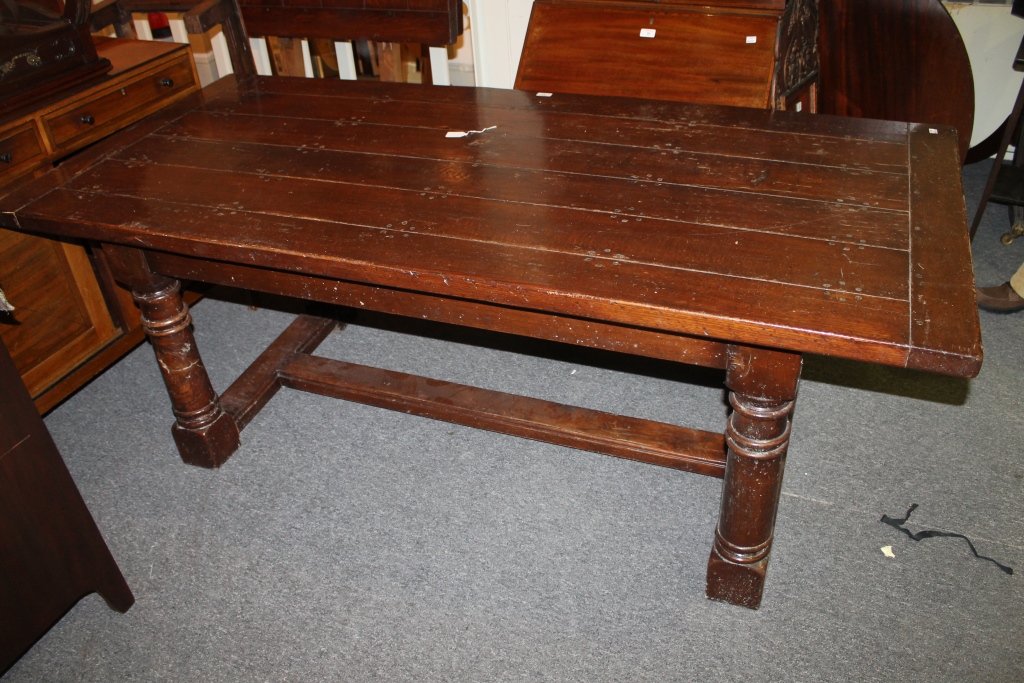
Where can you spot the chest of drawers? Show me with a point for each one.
(70, 320)
(145, 77)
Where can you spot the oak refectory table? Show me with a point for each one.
(729, 238)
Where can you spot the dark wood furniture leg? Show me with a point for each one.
(762, 390)
(204, 433)
(51, 553)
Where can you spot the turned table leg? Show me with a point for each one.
(762, 389)
(204, 433)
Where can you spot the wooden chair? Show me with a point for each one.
(429, 22)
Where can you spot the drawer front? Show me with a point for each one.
(20, 151)
(706, 57)
(99, 116)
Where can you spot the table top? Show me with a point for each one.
(844, 237)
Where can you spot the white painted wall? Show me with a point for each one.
(499, 30)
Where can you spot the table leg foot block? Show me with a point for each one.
(208, 446)
(737, 584)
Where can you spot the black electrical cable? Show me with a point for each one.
(931, 533)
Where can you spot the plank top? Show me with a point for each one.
(808, 233)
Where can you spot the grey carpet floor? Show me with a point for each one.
(348, 543)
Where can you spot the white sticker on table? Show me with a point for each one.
(648, 32)
(751, 39)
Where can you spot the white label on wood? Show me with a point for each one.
(647, 32)
(751, 39)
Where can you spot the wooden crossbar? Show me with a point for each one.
(288, 363)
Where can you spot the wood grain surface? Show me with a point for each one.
(900, 60)
(695, 54)
(756, 227)
(435, 22)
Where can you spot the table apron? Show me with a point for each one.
(497, 318)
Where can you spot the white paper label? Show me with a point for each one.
(799, 106)
(751, 39)
(933, 131)
(647, 32)
(543, 94)
(464, 133)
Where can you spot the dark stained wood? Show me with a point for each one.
(43, 53)
(752, 54)
(69, 325)
(676, 137)
(204, 433)
(609, 237)
(20, 149)
(673, 194)
(576, 331)
(937, 197)
(112, 13)
(250, 392)
(660, 4)
(434, 22)
(901, 60)
(200, 16)
(762, 390)
(287, 362)
(858, 188)
(103, 111)
(51, 553)
(665, 148)
(657, 443)
(209, 13)
(631, 111)
(134, 63)
(691, 302)
(564, 195)
(634, 226)
(696, 55)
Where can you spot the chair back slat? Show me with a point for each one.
(431, 22)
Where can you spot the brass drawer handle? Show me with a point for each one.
(6, 157)
(167, 82)
(5, 305)
(86, 119)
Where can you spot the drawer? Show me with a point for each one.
(108, 111)
(662, 52)
(20, 151)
